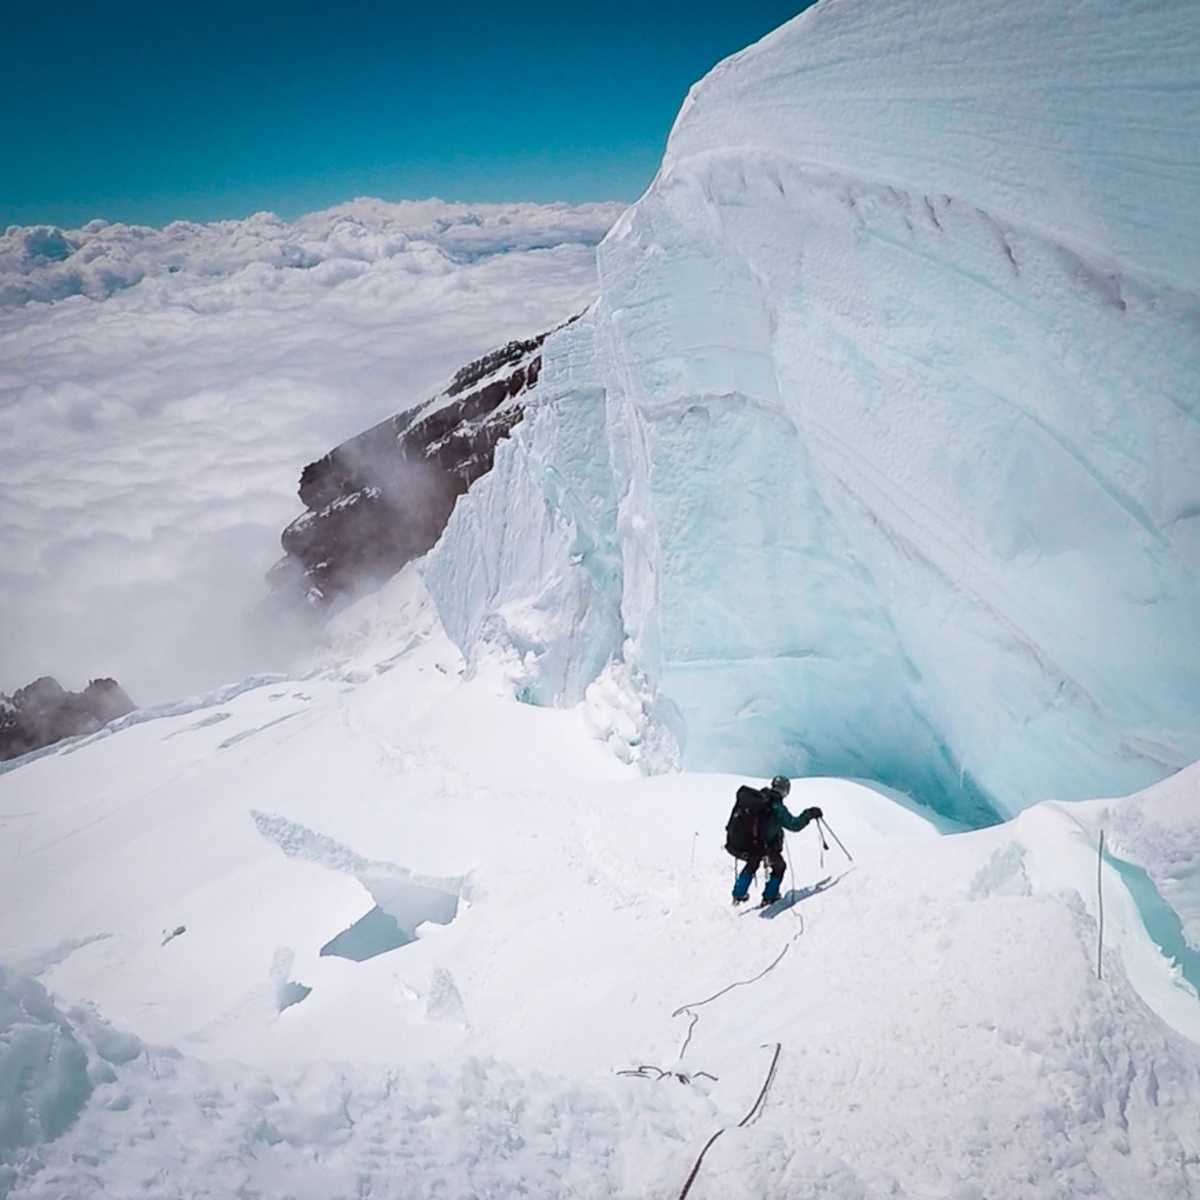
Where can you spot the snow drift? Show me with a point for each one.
(878, 454)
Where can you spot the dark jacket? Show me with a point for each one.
(778, 819)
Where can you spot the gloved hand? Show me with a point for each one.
(813, 814)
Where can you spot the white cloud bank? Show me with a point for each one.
(160, 390)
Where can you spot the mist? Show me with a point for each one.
(160, 397)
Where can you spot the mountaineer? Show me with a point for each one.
(755, 831)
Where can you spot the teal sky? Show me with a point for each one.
(149, 112)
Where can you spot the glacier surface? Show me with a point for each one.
(878, 453)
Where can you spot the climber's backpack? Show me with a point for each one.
(743, 831)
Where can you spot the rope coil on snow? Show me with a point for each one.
(650, 1071)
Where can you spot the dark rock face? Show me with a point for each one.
(383, 498)
(45, 712)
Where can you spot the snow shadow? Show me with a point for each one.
(412, 903)
(288, 991)
(795, 895)
(373, 934)
(230, 742)
(401, 907)
(214, 719)
(403, 900)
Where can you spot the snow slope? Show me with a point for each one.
(878, 454)
(170, 1026)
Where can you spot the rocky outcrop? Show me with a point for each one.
(45, 712)
(383, 498)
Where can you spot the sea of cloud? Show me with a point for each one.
(161, 389)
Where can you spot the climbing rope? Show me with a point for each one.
(647, 1071)
(766, 1087)
(755, 1109)
(737, 983)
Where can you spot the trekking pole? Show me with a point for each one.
(821, 825)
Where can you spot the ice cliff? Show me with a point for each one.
(879, 453)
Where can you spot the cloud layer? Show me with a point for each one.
(160, 390)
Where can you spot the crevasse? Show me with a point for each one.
(879, 453)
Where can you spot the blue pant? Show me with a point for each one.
(770, 892)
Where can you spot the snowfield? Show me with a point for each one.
(169, 1025)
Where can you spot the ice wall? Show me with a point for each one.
(879, 454)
